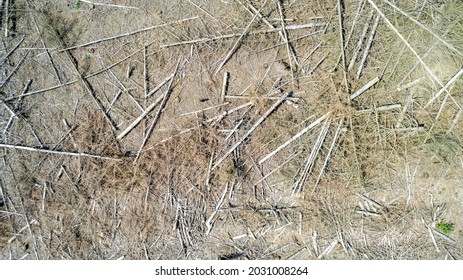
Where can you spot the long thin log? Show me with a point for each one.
(88, 87)
(330, 153)
(15, 69)
(251, 130)
(163, 82)
(368, 46)
(158, 114)
(228, 36)
(109, 5)
(296, 136)
(341, 41)
(47, 52)
(125, 34)
(211, 219)
(297, 187)
(226, 76)
(7, 17)
(360, 42)
(202, 10)
(140, 118)
(285, 38)
(364, 88)
(354, 23)
(46, 151)
(237, 43)
(12, 50)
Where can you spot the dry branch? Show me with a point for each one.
(125, 34)
(228, 36)
(364, 88)
(211, 219)
(158, 114)
(444, 88)
(140, 118)
(360, 42)
(368, 46)
(341, 41)
(12, 50)
(330, 153)
(296, 136)
(108, 5)
(249, 132)
(226, 76)
(297, 187)
(46, 151)
(237, 43)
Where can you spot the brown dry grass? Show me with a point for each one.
(375, 190)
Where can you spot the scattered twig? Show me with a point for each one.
(447, 44)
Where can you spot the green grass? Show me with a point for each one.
(445, 227)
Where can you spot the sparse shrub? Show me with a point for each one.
(445, 227)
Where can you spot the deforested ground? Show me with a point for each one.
(231, 129)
